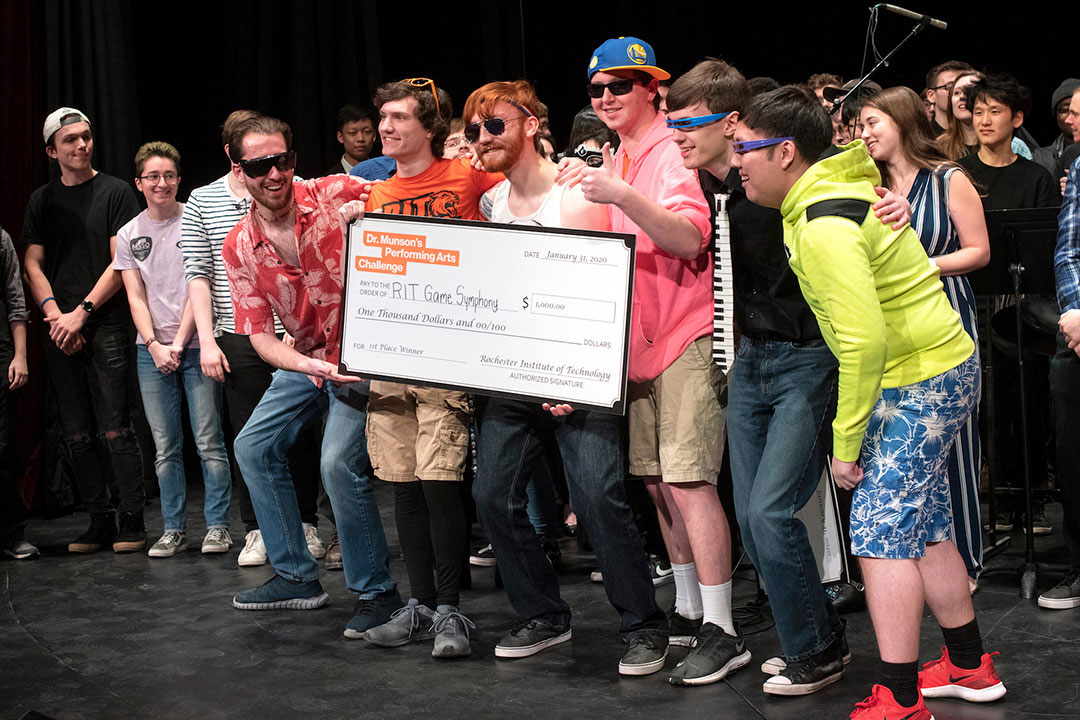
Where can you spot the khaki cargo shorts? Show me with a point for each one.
(677, 420)
(417, 432)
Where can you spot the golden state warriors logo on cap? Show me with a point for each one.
(637, 54)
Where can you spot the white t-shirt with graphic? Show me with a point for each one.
(153, 248)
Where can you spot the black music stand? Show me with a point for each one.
(1021, 261)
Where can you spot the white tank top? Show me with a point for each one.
(549, 214)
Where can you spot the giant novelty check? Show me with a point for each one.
(508, 310)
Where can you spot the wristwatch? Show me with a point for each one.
(87, 306)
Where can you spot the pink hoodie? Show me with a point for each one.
(673, 299)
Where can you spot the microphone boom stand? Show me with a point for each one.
(919, 27)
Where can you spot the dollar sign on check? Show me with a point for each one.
(524, 302)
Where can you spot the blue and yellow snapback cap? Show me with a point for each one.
(625, 53)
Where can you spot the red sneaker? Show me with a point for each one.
(881, 705)
(941, 679)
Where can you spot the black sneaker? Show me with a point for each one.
(368, 614)
(681, 630)
(646, 652)
(714, 655)
(660, 570)
(529, 637)
(1039, 524)
(810, 675)
(102, 531)
(846, 597)
(1064, 595)
(776, 665)
(132, 535)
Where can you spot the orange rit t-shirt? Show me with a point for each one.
(449, 188)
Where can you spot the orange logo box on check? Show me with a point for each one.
(399, 249)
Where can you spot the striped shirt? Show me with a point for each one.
(209, 214)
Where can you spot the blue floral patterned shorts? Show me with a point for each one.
(903, 500)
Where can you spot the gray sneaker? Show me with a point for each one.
(21, 550)
(714, 655)
(451, 630)
(529, 637)
(217, 540)
(168, 545)
(407, 624)
(645, 654)
(1064, 595)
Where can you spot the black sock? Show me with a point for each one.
(903, 680)
(965, 645)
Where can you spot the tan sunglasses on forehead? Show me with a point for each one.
(425, 82)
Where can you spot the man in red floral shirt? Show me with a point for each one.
(284, 257)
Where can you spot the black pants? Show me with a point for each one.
(248, 377)
(12, 509)
(431, 528)
(1065, 393)
(92, 394)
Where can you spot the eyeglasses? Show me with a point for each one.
(426, 82)
(617, 87)
(258, 167)
(154, 177)
(750, 145)
(944, 86)
(494, 125)
(692, 123)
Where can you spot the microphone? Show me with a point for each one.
(939, 24)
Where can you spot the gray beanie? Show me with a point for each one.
(1064, 90)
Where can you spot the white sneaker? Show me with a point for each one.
(168, 545)
(314, 542)
(217, 540)
(254, 552)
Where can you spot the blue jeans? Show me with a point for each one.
(161, 396)
(508, 450)
(291, 404)
(781, 399)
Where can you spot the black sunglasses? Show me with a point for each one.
(494, 125)
(258, 167)
(617, 87)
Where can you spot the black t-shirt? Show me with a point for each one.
(769, 304)
(1023, 184)
(74, 224)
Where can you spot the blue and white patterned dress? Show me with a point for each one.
(929, 198)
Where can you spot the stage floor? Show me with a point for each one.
(125, 636)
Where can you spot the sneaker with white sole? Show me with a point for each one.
(254, 552)
(216, 541)
(314, 542)
(596, 576)
(529, 637)
(21, 550)
(714, 655)
(660, 571)
(1064, 595)
(941, 679)
(277, 593)
(484, 557)
(808, 676)
(682, 630)
(776, 665)
(168, 545)
(646, 653)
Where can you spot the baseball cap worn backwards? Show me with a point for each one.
(59, 118)
(625, 53)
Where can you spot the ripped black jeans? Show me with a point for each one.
(92, 396)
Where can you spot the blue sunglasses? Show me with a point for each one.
(748, 145)
(695, 122)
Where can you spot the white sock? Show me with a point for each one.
(716, 606)
(687, 591)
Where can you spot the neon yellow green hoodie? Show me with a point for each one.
(877, 298)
